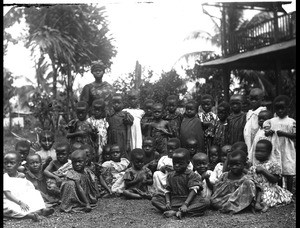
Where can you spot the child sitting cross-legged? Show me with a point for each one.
(138, 177)
(79, 187)
(151, 155)
(182, 196)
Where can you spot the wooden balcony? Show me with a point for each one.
(272, 31)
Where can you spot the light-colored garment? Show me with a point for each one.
(206, 191)
(260, 134)
(46, 153)
(283, 147)
(251, 126)
(136, 139)
(272, 193)
(216, 173)
(23, 190)
(102, 126)
(62, 171)
(160, 178)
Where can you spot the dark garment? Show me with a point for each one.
(152, 161)
(93, 91)
(160, 138)
(221, 130)
(174, 122)
(146, 128)
(192, 128)
(236, 124)
(118, 130)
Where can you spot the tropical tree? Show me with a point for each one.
(8, 91)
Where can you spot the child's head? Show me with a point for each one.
(90, 153)
(34, 163)
(46, 139)
(240, 145)
(78, 158)
(23, 148)
(281, 104)
(236, 162)
(62, 150)
(133, 99)
(11, 162)
(192, 145)
(157, 111)
(214, 154)
(137, 158)
(115, 153)
(236, 101)
(191, 108)
(181, 160)
(172, 144)
(256, 97)
(98, 108)
(82, 109)
(263, 116)
(148, 146)
(106, 153)
(207, 102)
(263, 150)
(148, 107)
(75, 146)
(172, 103)
(117, 102)
(224, 152)
(200, 162)
(223, 110)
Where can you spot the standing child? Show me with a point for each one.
(260, 134)
(214, 155)
(164, 166)
(266, 173)
(79, 189)
(236, 120)
(160, 129)
(137, 113)
(182, 188)
(147, 117)
(79, 129)
(221, 127)
(282, 130)
(23, 148)
(172, 116)
(191, 125)
(200, 163)
(20, 198)
(98, 120)
(256, 97)
(208, 119)
(151, 155)
(191, 145)
(138, 177)
(47, 153)
(119, 125)
(235, 191)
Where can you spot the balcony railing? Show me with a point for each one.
(262, 35)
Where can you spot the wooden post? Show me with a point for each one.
(226, 82)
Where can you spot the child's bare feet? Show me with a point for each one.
(179, 214)
(47, 211)
(88, 208)
(34, 216)
(169, 213)
(258, 206)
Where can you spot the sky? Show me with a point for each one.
(151, 32)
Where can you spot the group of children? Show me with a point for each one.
(184, 163)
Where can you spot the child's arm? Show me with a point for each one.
(187, 202)
(168, 201)
(49, 174)
(129, 183)
(273, 178)
(82, 194)
(104, 184)
(291, 136)
(206, 177)
(11, 197)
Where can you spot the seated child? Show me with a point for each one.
(266, 173)
(183, 185)
(79, 188)
(113, 170)
(219, 168)
(23, 147)
(200, 163)
(191, 145)
(106, 153)
(58, 168)
(151, 155)
(213, 155)
(20, 198)
(138, 177)
(164, 166)
(34, 173)
(47, 152)
(234, 191)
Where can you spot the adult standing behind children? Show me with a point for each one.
(98, 88)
